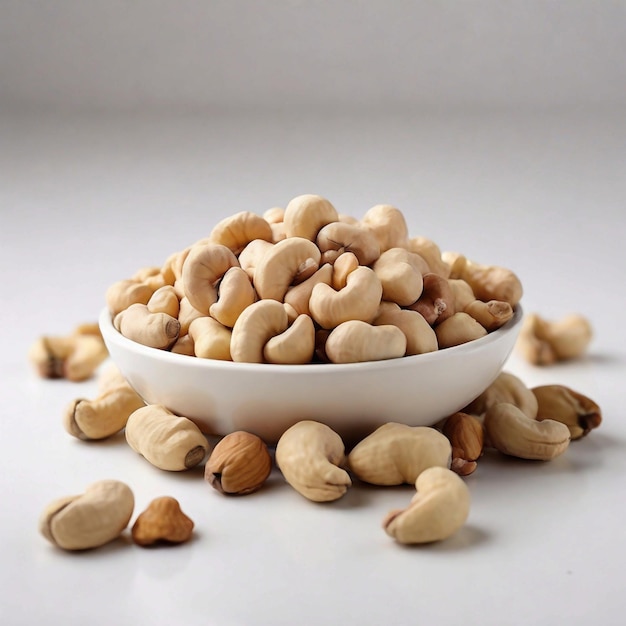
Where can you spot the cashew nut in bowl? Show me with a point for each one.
(401, 275)
(295, 345)
(234, 293)
(358, 300)
(437, 511)
(238, 230)
(355, 341)
(254, 328)
(437, 301)
(420, 337)
(157, 330)
(283, 264)
(306, 215)
(340, 237)
(204, 266)
(388, 225)
(210, 339)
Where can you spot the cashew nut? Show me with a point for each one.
(75, 357)
(513, 433)
(170, 442)
(89, 520)
(309, 455)
(187, 314)
(235, 293)
(431, 253)
(396, 453)
(203, 268)
(358, 300)
(251, 255)
(401, 275)
(156, 330)
(489, 282)
(438, 509)
(253, 329)
(544, 342)
(388, 225)
(238, 230)
(578, 412)
(295, 345)
(121, 294)
(505, 388)
(341, 237)
(164, 300)
(299, 295)
(466, 436)
(211, 340)
(490, 315)
(306, 215)
(458, 329)
(420, 337)
(355, 341)
(104, 416)
(283, 264)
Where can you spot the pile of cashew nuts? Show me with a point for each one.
(307, 284)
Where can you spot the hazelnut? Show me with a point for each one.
(239, 464)
(162, 522)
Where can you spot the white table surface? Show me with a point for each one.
(87, 201)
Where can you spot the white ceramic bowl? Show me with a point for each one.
(353, 399)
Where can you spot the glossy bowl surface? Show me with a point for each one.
(353, 399)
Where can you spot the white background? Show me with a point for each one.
(127, 129)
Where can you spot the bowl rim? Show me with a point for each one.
(109, 332)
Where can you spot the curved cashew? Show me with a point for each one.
(164, 300)
(211, 340)
(431, 253)
(420, 337)
(275, 215)
(299, 295)
(515, 434)
(187, 314)
(251, 255)
(489, 282)
(388, 225)
(169, 442)
(203, 268)
(438, 509)
(436, 303)
(121, 294)
(463, 294)
(238, 230)
(395, 454)
(343, 266)
(342, 237)
(358, 300)
(104, 416)
(282, 264)
(156, 330)
(234, 293)
(254, 328)
(356, 341)
(295, 345)
(89, 520)
(505, 388)
(400, 273)
(458, 329)
(578, 412)
(309, 455)
(490, 315)
(75, 357)
(305, 215)
(544, 342)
